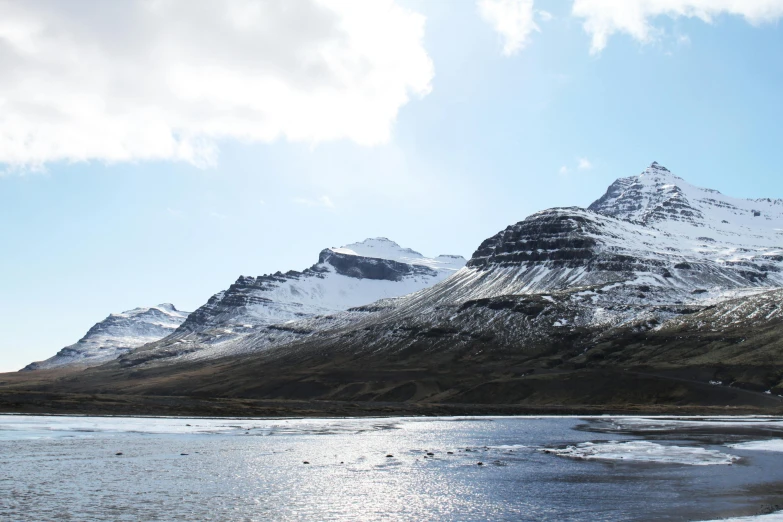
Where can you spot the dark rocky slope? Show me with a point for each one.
(472, 359)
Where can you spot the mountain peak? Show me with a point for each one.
(380, 240)
(653, 196)
(165, 308)
(385, 248)
(658, 173)
(660, 199)
(657, 166)
(117, 334)
(379, 247)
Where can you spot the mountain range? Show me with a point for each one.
(659, 293)
(344, 277)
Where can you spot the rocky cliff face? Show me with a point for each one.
(360, 267)
(116, 335)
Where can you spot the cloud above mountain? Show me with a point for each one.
(169, 79)
(514, 21)
(603, 18)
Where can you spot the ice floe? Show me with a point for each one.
(772, 517)
(759, 445)
(649, 424)
(643, 451)
(32, 426)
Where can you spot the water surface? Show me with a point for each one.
(70, 468)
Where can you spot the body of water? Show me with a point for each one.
(597, 469)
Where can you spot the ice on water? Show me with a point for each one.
(644, 451)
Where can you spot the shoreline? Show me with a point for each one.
(107, 405)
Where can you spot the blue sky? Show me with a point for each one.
(491, 138)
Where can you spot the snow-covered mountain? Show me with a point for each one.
(657, 275)
(660, 199)
(651, 240)
(343, 278)
(116, 335)
(652, 295)
(651, 246)
(653, 230)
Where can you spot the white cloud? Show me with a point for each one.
(320, 201)
(545, 16)
(602, 18)
(325, 201)
(581, 164)
(168, 79)
(514, 20)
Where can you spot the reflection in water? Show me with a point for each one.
(61, 468)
